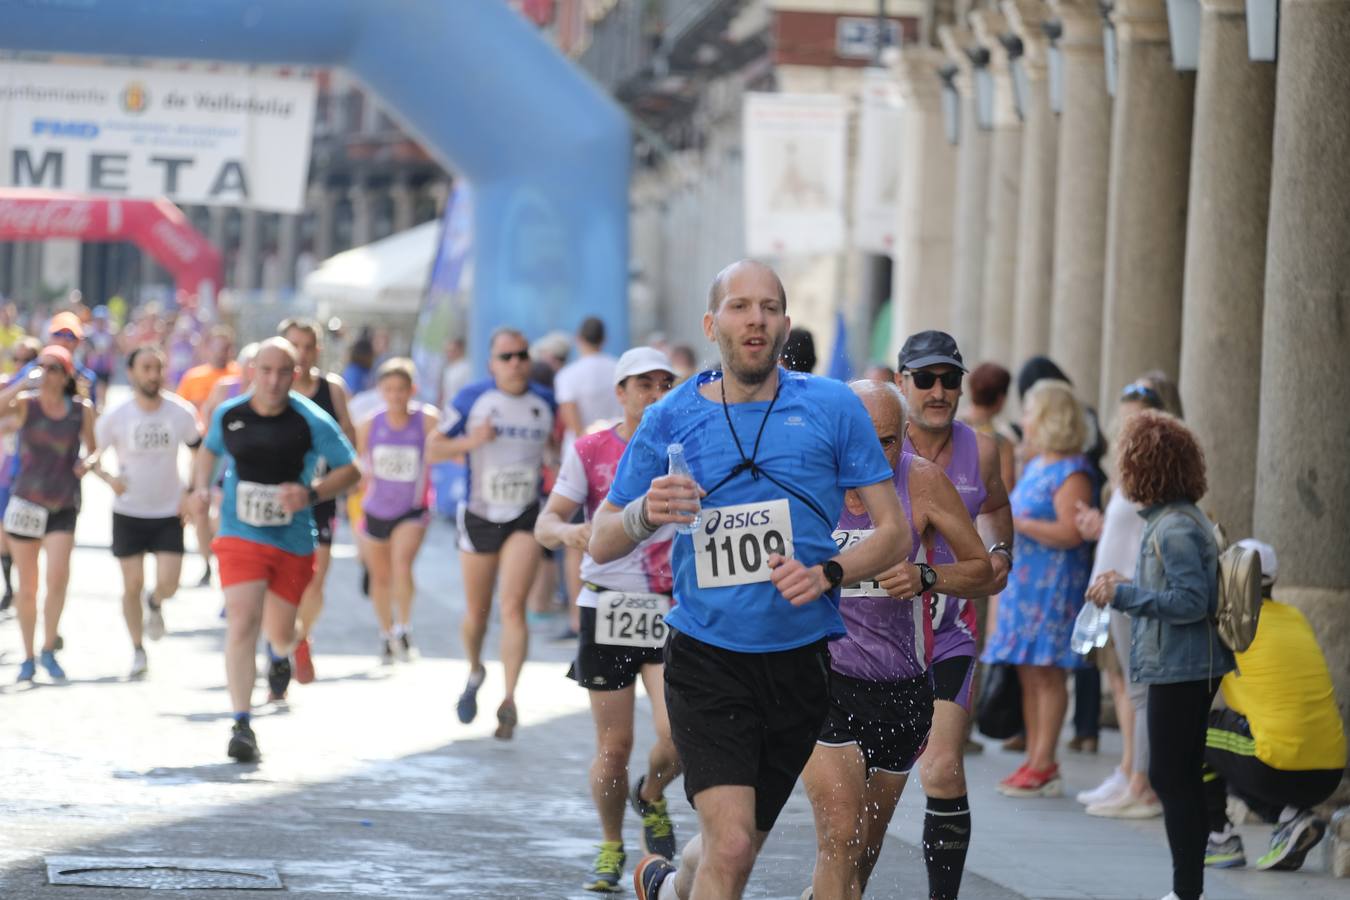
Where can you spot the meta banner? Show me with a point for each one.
(216, 138)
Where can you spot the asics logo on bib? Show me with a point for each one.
(748, 519)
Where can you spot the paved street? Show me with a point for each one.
(370, 787)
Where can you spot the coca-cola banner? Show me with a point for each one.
(221, 138)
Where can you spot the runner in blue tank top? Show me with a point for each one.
(930, 371)
(746, 667)
(881, 695)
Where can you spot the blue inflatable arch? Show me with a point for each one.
(546, 152)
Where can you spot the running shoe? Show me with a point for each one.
(1114, 785)
(304, 662)
(467, 707)
(205, 580)
(27, 669)
(139, 665)
(1225, 854)
(278, 679)
(386, 652)
(649, 875)
(404, 648)
(608, 868)
(48, 660)
(154, 619)
(808, 894)
(1290, 843)
(1030, 783)
(506, 721)
(658, 832)
(243, 745)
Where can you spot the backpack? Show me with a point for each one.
(1239, 588)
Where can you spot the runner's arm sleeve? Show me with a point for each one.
(457, 413)
(330, 442)
(572, 482)
(643, 460)
(857, 451)
(215, 434)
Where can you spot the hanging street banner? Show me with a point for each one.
(228, 138)
(796, 156)
(876, 198)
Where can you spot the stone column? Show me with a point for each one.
(216, 228)
(1146, 224)
(1302, 480)
(972, 193)
(1002, 203)
(1036, 200)
(1226, 259)
(405, 205)
(246, 264)
(363, 215)
(1080, 199)
(922, 287)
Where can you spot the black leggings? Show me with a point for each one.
(1178, 715)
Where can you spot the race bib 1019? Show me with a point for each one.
(260, 505)
(733, 543)
(393, 463)
(631, 619)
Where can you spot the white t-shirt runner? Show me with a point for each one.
(589, 383)
(505, 473)
(146, 444)
(587, 469)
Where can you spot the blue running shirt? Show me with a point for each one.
(818, 442)
(263, 451)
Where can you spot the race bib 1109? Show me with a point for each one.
(733, 543)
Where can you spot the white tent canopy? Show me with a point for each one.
(389, 275)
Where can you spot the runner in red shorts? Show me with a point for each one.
(272, 440)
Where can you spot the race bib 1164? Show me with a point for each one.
(260, 505)
(733, 543)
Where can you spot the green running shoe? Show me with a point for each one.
(658, 832)
(608, 868)
(1225, 854)
(1290, 843)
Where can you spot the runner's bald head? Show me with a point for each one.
(718, 291)
(884, 403)
(279, 344)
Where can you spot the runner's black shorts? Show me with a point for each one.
(479, 535)
(745, 718)
(133, 535)
(601, 667)
(378, 529)
(325, 520)
(62, 520)
(888, 720)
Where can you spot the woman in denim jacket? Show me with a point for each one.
(1175, 647)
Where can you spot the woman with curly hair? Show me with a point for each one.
(1175, 649)
(1051, 563)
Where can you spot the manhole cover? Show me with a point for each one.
(162, 873)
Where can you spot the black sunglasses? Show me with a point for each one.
(521, 355)
(924, 379)
(1143, 394)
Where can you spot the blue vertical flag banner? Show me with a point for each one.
(839, 365)
(445, 308)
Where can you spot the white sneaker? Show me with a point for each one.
(1115, 784)
(1173, 896)
(139, 665)
(154, 618)
(1126, 806)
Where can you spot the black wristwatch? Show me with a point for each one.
(313, 495)
(927, 576)
(834, 573)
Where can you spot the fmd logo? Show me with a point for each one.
(58, 128)
(135, 98)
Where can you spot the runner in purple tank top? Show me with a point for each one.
(930, 372)
(881, 695)
(395, 502)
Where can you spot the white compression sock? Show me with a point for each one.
(667, 891)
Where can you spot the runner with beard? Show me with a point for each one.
(146, 432)
(756, 582)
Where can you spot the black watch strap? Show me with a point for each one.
(313, 495)
(927, 576)
(834, 573)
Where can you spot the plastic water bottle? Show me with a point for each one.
(679, 466)
(1090, 628)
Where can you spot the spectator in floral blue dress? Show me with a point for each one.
(1050, 572)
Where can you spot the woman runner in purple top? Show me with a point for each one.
(395, 501)
(881, 694)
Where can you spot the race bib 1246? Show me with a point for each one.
(631, 619)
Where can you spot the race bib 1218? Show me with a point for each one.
(733, 543)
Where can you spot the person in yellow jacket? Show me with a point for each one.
(1279, 746)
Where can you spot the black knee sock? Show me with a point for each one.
(6, 563)
(946, 837)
